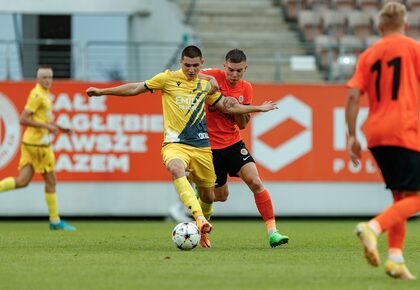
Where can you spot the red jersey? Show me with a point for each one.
(222, 129)
(389, 72)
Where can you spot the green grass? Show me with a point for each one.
(127, 255)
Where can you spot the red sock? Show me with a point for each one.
(399, 212)
(265, 207)
(396, 233)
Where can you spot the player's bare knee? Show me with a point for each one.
(255, 184)
(22, 182)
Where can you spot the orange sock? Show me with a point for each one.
(396, 233)
(398, 212)
(265, 207)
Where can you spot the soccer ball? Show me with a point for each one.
(186, 236)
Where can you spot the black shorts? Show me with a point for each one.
(230, 160)
(400, 167)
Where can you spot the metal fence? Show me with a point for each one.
(127, 61)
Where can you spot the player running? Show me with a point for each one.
(389, 73)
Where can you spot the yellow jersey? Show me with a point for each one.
(40, 105)
(183, 103)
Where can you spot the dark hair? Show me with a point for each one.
(191, 51)
(235, 56)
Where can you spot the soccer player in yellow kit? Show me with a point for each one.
(186, 145)
(36, 152)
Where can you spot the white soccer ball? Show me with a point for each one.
(186, 236)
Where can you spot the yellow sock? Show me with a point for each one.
(51, 199)
(207, 209)
(187, 195)
(7, 184)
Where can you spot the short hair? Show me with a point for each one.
(393, 15)
(191, 51)
(44, 66)
(235, 55)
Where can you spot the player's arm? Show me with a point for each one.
(129, 89)
(230, 105)
(212, 80)
(352, 110)
(27, 120)
(241, 120)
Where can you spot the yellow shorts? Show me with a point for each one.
(198, 161)
(41, 158)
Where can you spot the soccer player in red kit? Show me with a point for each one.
(389, 73)
(230, 155)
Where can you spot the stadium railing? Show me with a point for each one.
(125, 61)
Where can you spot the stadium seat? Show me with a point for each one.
(413, 19)
(334, 23)
(371, 39)
(318, 5)
(359, 23)
(326, 49)
(309, 24)
(343, 67)
(414, 5)
(292, 8)
(350, 44)
(365, 5)
(345, 5)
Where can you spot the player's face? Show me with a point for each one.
(191, 66)
(45, 77)
(234, 71)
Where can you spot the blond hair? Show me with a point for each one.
(392, 15)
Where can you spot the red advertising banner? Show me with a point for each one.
(119, 138)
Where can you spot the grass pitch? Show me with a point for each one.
(127, 255)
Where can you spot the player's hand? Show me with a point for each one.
(93, 92)
(214, 86)
(354, 149)
(67, 131)
(52, 128)
(268, 106)
(229, 102)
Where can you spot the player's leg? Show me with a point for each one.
(177, 211)
(176, 157)
(206, 197)
(51, 199)
(22, 180)
(395, 264)
(249, 174)
(26, 170)
(202, 171)
(221, 190)
(45, 164)
(396, 234)
(391, 219)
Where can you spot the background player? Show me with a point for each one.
(389, 72)
(230, 155)
(36, 152)
(186, 145)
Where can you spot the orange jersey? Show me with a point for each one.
(389, 72)
(222, 129)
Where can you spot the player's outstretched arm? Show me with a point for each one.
(231, 105)
(129, 89)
